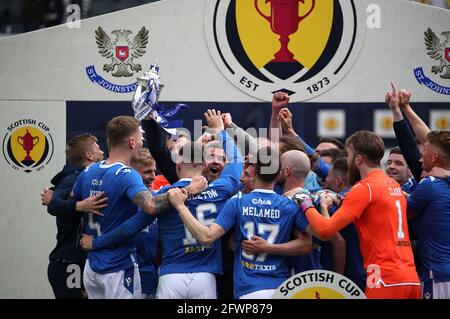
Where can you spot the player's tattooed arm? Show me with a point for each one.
(162, 203)
(156, 204)
(152, 205)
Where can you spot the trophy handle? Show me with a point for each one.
(20, 138)
(36, 137)
(261, 13)
(309, 12)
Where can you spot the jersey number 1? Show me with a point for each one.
(400, 233)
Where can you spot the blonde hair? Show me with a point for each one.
(78, 146)
(120, 128)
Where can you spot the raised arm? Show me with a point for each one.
(320, 167)
(404, 135)
(419, 127)
(159, 151)
(408, 146)
(235, 161)
(279, 101)
(285, 119)
(242, 136)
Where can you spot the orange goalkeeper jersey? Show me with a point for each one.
(379, 207)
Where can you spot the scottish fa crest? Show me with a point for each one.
(302, 47)
(121, 55)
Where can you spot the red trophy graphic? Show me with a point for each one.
(284, 20)
(28, 143)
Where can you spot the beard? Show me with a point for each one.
(281, 180)
(247, 187)
(354, 176)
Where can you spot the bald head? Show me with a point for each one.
(297, 161)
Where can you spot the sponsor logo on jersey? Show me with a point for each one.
(28, 145)
(318, 284)
(438, 49)
(302, 47)
(261, 201)
(97, 182)
(121, 53)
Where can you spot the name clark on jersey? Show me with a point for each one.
(395, 191)
(260, 212)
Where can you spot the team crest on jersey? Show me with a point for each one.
(28, 145)
(439, 51)
(122, 54)
(302, 47)
(318, 284)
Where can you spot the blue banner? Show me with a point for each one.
(170, 111)
(424, 80)
(95, 78)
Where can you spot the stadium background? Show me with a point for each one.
(44, 78)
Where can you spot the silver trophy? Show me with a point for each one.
(147, 94)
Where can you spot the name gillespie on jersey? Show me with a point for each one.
(260, 212)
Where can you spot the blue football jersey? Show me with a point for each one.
(354, 267)
(430, 201)
(120, 184)
(146, 250)
(311, 261)
(268, 215)
(409, 185)
(181, 253)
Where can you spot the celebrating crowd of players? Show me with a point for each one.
(234, 216)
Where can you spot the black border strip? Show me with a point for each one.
(3, 148)
(53, 145)
(216, 41)
(355, 28)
